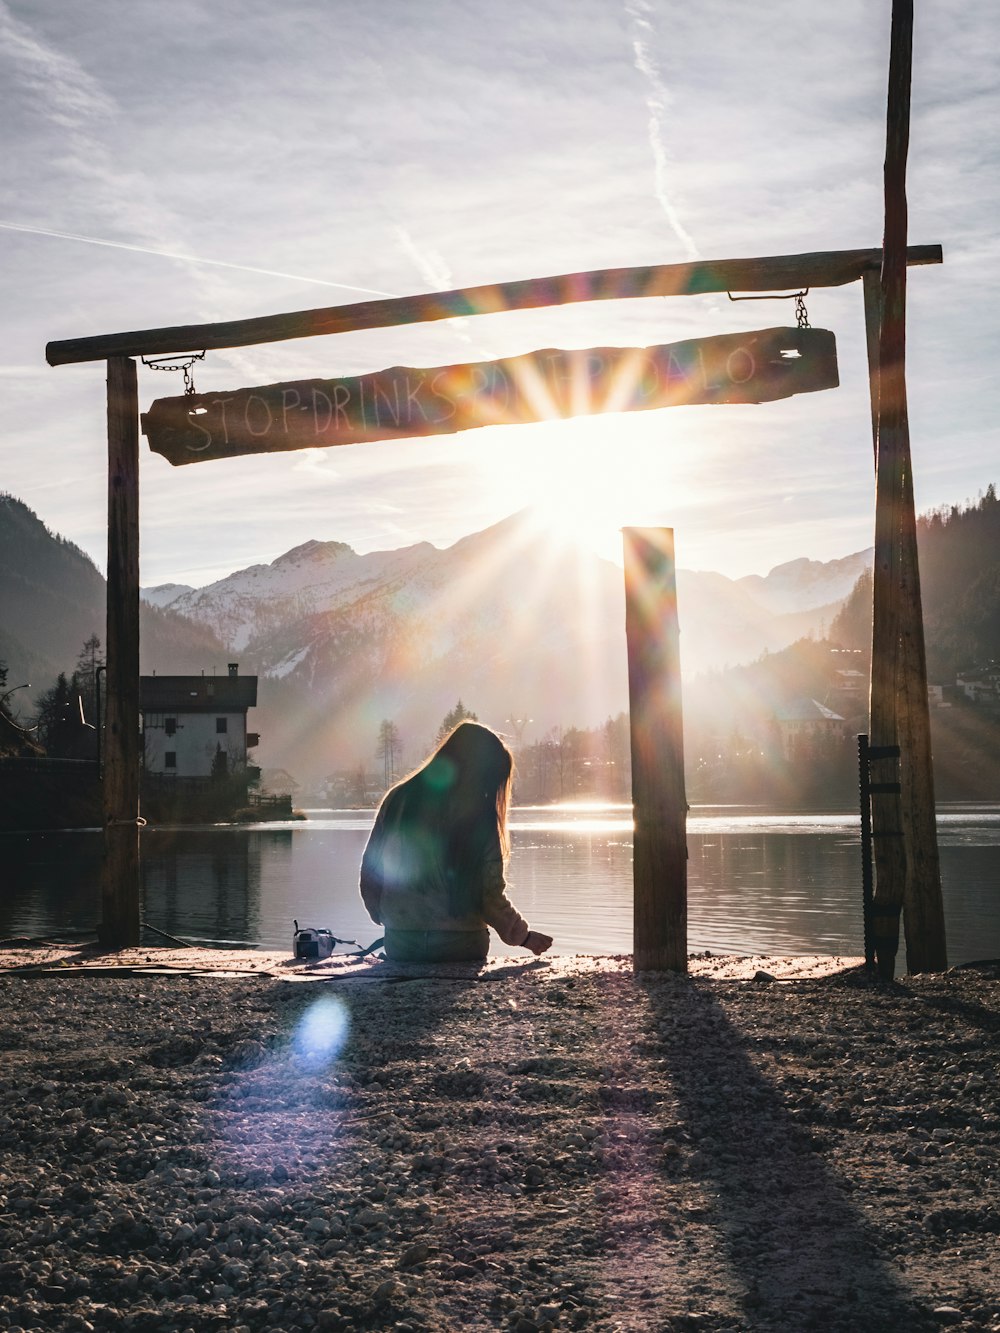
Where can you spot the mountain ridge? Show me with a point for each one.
(514, 623)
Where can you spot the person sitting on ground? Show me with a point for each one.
(433, 871)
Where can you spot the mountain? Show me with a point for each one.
(514, 624)
(52, 598)
(165, 593)
(803, 585)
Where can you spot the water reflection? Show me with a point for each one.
(758, 882)
(209, 883)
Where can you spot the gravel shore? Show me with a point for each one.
(231, 1142)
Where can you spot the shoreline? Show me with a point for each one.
(22, 953)
(187, 1142)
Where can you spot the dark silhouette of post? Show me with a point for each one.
(120, 870)
(659, 803)
(903, 819)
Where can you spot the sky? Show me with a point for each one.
(196, 162)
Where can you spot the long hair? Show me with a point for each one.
(455, 807)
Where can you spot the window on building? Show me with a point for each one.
(222, 724)
(170, 725)
(170, 759)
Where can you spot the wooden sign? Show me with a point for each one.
(407, 401)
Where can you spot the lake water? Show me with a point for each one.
(757, 882)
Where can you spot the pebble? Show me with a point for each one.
(415, 1254)
(386, 1291)
(245, 1190)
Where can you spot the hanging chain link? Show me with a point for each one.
(801, 314)
(171, 363)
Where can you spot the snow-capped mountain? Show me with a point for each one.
(509, 621)
(802, 585)
(165, 593)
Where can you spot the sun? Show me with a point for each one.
(583, 480)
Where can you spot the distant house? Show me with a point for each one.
(849, 686)
(981, 684)
(278, 782)
(805, 724)
(195, 727)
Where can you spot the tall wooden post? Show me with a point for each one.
(659, 803)
(120, 871)
(903, 821)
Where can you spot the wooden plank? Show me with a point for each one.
(405, 401)
(923, 901)
(872, 290)
(885, 807)
(777, 273)
(659, 803)
(120, 869)
(923, 907)
(907, 868)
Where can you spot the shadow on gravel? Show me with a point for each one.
(976, 1015)
(798, 1248)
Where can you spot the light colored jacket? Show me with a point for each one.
(403, 887)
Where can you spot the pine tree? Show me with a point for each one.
(451, 720)
(52, 712)
(88, 666)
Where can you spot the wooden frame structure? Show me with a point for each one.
(902, 802)
(666, 879)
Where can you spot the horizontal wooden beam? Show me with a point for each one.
(832, 268)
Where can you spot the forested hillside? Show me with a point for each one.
(960, 571)
(733, 742)
(52, 600)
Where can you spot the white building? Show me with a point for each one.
(196, 726)
(805, 723)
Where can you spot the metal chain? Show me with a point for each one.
(182, 363)
(801, 314)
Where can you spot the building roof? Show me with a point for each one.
(807, 710)
(197, 694)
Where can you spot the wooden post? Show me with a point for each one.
(907, 869)
(120, 871)
(659, 804)
(923, 904)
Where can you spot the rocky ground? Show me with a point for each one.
(192, 1143)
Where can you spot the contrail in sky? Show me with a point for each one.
(188, 259)
(657, 101)
(434, 271)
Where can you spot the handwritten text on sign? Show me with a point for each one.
(410, 401)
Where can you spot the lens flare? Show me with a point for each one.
(322, 1031)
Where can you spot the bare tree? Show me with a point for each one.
(388, 749)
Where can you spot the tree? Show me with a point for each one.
(14, 739)
(388, 749)
(88, 665)
(52, 712)
(852, 625)
(451, 720)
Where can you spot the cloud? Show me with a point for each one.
(401, 147)
(71, 97)
(186, 258)
(657, 102)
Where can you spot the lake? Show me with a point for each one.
(758, 882)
